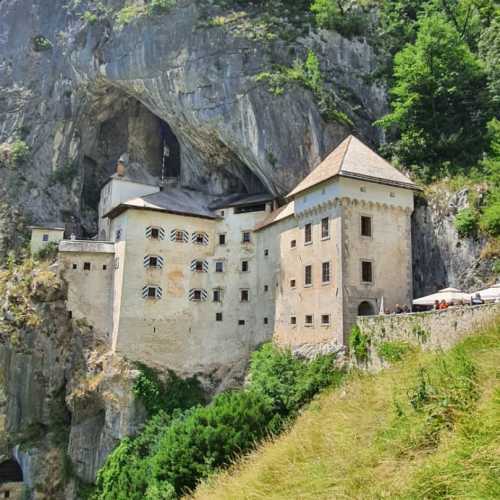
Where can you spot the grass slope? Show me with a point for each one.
(428, 427)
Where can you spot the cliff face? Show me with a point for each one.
(64, 401)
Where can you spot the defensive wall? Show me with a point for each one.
(431, 330)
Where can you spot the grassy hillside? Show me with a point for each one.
(426, 428)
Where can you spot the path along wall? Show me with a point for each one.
(430, 330)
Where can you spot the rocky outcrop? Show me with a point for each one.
(65, 402)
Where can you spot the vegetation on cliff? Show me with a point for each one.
(425, 428)
(178, 448)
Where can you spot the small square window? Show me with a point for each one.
(266, 288)
(362, 189)
(218, 316)
(179, 237)
(245, 237)
(308, 320)
(308, 233)
(152, 292)
(222, 239)
(153, 262)
(266, 321)
(155, 233)
(325, 228)
(366, 226)
(293, 243)
(199, 266)
(244, 295)
(45, 237)
(104, 267)
(366, 272)
(244, 266)
(75, 266)
(216, 296)
(292, 283)
(266, 252)
(241, 322)
(293, 320)
(86, 266)
(308, 275)
(392, 194)
(219, 266)
(197, 295)
(325, 319)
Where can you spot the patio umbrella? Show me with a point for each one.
(448, 294)
(491, 293)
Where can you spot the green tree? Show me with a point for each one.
(439, 101)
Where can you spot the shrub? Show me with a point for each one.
(393, 351)
(490, 218)
(89, 17)
(14, 154)
(48, 252)
(466, 222)
(41, 43)
(359, 344)
(160, 6)
(346, 18)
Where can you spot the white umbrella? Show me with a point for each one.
(447, 294)
(491, 293)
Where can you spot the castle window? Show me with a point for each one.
(197, 295)
(118, 235)
(199, 266)
(362, 189)
(75, 266)
(217, 295)
(219, 266)
(266, 252)
(293, 244)
(325, 319)
(366, 226)
(293, 320)
(266, 288)
(308, 234)
(86, 266)
(45, 237)
(244, 266)
(245, 237)
(308, 276)
(325, 272)
(222, 239)
(392, 194)
(325, 228)
(154, 233)
(244, 295)
(199, 238)
(153, 261)
(308, 320)
(366, 271)
(292, 283)
(218, 316)
(179, 236)
(266, 321)
(152, 292)
(241, 322)
(104, 267)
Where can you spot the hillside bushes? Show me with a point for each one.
(174, 452)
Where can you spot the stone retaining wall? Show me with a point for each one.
(431, 330)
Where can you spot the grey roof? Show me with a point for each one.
(240, 200)
(174, 200)
(59, 226)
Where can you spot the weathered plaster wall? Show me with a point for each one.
(430, 330)
(37, 234)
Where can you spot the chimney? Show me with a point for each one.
(120, 168)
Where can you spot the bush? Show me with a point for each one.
(48, 252)
(490, 218)
(14, 154)
(393, 351)
(466, 222)
(359, 344)
(346, 18)
(41, 43)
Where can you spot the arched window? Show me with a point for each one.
(365, 309)
(10, 472)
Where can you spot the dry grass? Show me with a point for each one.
(340, 448)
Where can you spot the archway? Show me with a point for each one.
(365, 309)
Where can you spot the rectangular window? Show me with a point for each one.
(245, 237)
(104, 267)
(153, 262)
(199, 239)
(266, 252)
(219, 266)
(244, 266)
(244, 295)
(218, 316)
(241, 322)
(325, 319)
(198, 266)
(293, 243)
(118, 235)
(308, 320)
(366, 272)
(308, 276)
(155, 233)
(266, 321)
(366, 226)
(75, 266)
(325, 228)
(266, 288)
(179, 236)
(197, 295)
(86, 266)
(222, 239)
(152, 292)
(308, 233)
(217, 295)
(292, 283)
(325, 272)
(45, 237)
(293, 320)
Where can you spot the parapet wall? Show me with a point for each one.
(430, 330)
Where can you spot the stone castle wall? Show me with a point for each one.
(431, 330)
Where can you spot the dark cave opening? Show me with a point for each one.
(171, 152)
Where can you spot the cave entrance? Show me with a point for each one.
(171, 152)
(11, 479)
